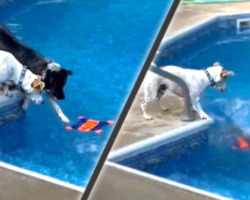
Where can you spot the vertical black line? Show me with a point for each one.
(130, 99)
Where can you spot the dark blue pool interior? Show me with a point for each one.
(206, 160)
(105, 43)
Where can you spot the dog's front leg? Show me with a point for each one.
(56, 107)
(25, 103)
(6, 90)
(198, 107)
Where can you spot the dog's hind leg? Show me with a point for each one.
(160, 92)
(149, 93)
(6, 90)
(143, 107)
(153, 91)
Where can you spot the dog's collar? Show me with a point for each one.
(209, 78)
(22, 76)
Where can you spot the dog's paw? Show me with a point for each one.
(24, 107)
(164, 109)
(9, 95)
(203, 116)
(64, 118)
(148, 117)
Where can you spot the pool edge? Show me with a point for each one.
(40, 177)
(166, 181)
(154, 142)
(196, 26)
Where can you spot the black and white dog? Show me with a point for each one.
(51, 73)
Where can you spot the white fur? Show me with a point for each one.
(56, 67)
(58, 110)
(10, 70)
(197, 81)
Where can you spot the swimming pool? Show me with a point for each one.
(104, 43)
(205, 159)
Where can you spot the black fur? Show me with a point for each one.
(54, 80)
(160, 92)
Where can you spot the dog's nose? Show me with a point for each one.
(223, 89)
(42, 102)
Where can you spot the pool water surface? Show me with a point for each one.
(104, 43)
(215, 166)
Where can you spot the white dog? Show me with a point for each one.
(197, 81)
(12, 70)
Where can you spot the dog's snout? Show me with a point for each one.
(42, 102)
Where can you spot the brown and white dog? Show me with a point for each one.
(197, 81)
(12, 70)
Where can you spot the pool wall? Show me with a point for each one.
(128, 163)
(166, 145)
(10, 107)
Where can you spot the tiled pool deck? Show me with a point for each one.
(135, 127)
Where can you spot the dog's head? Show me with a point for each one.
(219, 76)
(55, 80)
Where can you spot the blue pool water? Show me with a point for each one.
(104, 42)
(215, 166)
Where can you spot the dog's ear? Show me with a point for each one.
(225, 73)
(37, 85)
(217, 64)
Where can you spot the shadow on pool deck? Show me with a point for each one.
(135, 127)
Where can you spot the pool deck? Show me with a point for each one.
(135, 127)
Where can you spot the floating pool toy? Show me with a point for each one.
(89, 125)
(241, 144)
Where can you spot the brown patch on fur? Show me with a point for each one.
(225, 73)
(37, 85)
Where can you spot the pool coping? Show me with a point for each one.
(166, 181)
(136, 148)
(41, 177)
